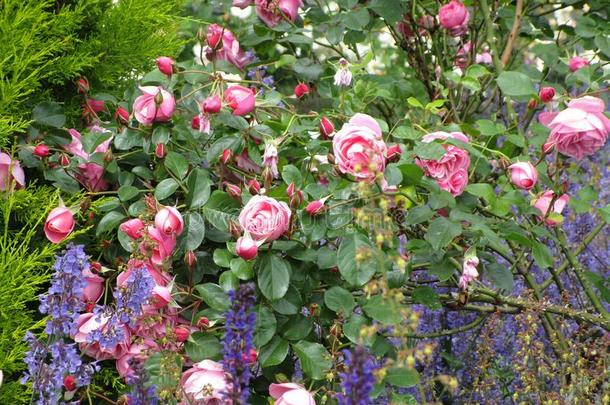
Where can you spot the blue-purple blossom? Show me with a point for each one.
(357, 379)
(238, 342)
(142, 393)
(63, 300)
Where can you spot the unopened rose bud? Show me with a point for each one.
(41, 150)
(301, 90)
(335, 330)
(95, 267)
(254, 187)
(233, 190)
(226, 156)
(159, 98)
(83, 85)
(96, 105)
(108, 156)
(121, 115)
(214, 39)
(250, 357)
(246, 247)
(315, 207)
(327, 128)
(190, 259)
(267, 176)
(394, 153)
(234, 229)
(532, 104)
(296, 200)
(546, 94)
(64, 160)
(290, 189)
(70, 382)
(203, 323)
(331, 158)
(160, 150)
(182, 333)
(165, 65)
(212, 104)
(195, 121)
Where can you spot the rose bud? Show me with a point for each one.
(160, 150)
(190, 259)
(267, 176)
(543, 204)
(301, 90)
(240, 99)
(182, 333)
(235, 229)
(213, 38)
(290, 189)
(165, 65)
(523, 175)
(203, 323)
(169, 221)
(394, 153)
(315, 207)
(251, 357)
(41, 150)
(83, 85)
(454, 17)
(96, 105)
(59, 224)
(195, 122)
(121, 115)
(70, 382)
(226, 156)
(254, 187)
(546, 94)
(212, 104)
(326, 128)
(133, 228)
(296, 199)
(233, 190)
(532, 104)
(64, 160)
(246, 247)
(577, 62)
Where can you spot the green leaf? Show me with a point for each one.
(199, 188)
(109, 222)
(405, 133)
(353, 271)
(160, 135)
(402, 377)
(389, 10)
(297, 327)
(382, 310)
(265, 326)
(356, 19)
(195, 231)
(165, 189)
(516, 84)
(202, 346)
(418, 215)
(482, 190)
(222, 257)
(214, 296)
(314, 358)
(217, 210)
(413, 102)
(273, 276)
(427, 296)
(176, 164)
(241, 269)
(411, 174)
(290, 174)
(441, 232)
(339, 300)
(126, 193)
(605, 213)
(274, 352)
(429, 151)
(542, 255)
(500, 276)
(49, 113)
(92, 140)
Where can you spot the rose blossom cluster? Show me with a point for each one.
(274, 11)
(451, 170)
(454, 17)
(222, 45)
(89, 174)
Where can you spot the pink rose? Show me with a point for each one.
(454, 17)
(162, 245)
(138, 351)
(90, 322)
(315, 207)
(469, 271)
(242, 3)
(205, 383)
(523, 175)
(59, 224)
(291, 394)
(543, 203)
(546, 94)
(326, 128)
(579, 130)
(577, 62)
(211, 105)
(160, 295)
(169, 221)
(134, 228)
(230, 50)
(90, 174)
(240, 99)
(484, 58)
(246, 247)
(450, 171)
(463, 55)
(359, 148)
(265, 218)
(10, 173)
(274, 11)
(155, 105)
(165, 65)
(94, 286)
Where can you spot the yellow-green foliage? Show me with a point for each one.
(45, 44)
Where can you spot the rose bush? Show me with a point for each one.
(273, 211)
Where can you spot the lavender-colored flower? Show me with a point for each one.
(141, 393)
(63, 300)
(238, 342)
(357, 381)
